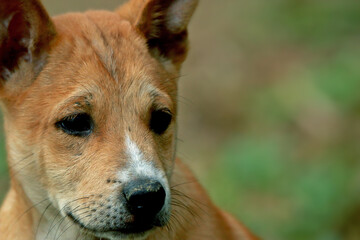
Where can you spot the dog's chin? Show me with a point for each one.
(129, 231)
(116, 235)
(136, 233)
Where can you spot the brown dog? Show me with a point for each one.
(89, 104)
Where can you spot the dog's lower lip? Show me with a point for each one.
(127, 230)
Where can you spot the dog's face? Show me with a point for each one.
(90, 110)
(111, 128)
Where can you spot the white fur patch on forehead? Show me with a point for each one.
(137, 165)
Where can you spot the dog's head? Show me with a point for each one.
(90, 109)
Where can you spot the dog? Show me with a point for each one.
(89, 103)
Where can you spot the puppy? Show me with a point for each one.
(90, 103)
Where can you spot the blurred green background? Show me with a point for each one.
(270, 112)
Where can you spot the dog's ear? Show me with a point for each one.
(25, 34)
(164, 25)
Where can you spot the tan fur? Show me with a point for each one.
(117, 67)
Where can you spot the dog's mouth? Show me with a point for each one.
(139, 227)
(142, 206)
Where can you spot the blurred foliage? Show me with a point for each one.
(281, 195)
(286, 158)
(270, 114)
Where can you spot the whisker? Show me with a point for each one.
(180, 184)
(18, 162)
(185, 101)
(71, 224)
(59, 211)
(31, 207)
(63, 219)
(14, 173)
(42, 215)
(67, 228)
(196, 202)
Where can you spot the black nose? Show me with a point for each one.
(145, 197)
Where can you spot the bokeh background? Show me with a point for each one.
(270, 112)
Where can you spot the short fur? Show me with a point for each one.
(117, 67)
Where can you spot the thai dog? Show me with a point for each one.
(90, 103)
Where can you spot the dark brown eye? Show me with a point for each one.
(160, 120)
(77, 125)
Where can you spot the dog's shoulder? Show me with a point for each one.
(203, 218)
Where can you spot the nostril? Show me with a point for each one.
(144, 197)
(149, 202)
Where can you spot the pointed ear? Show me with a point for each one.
(25, 34)
(164, 25)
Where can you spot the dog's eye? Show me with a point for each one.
(160, 120)
(77, 125)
